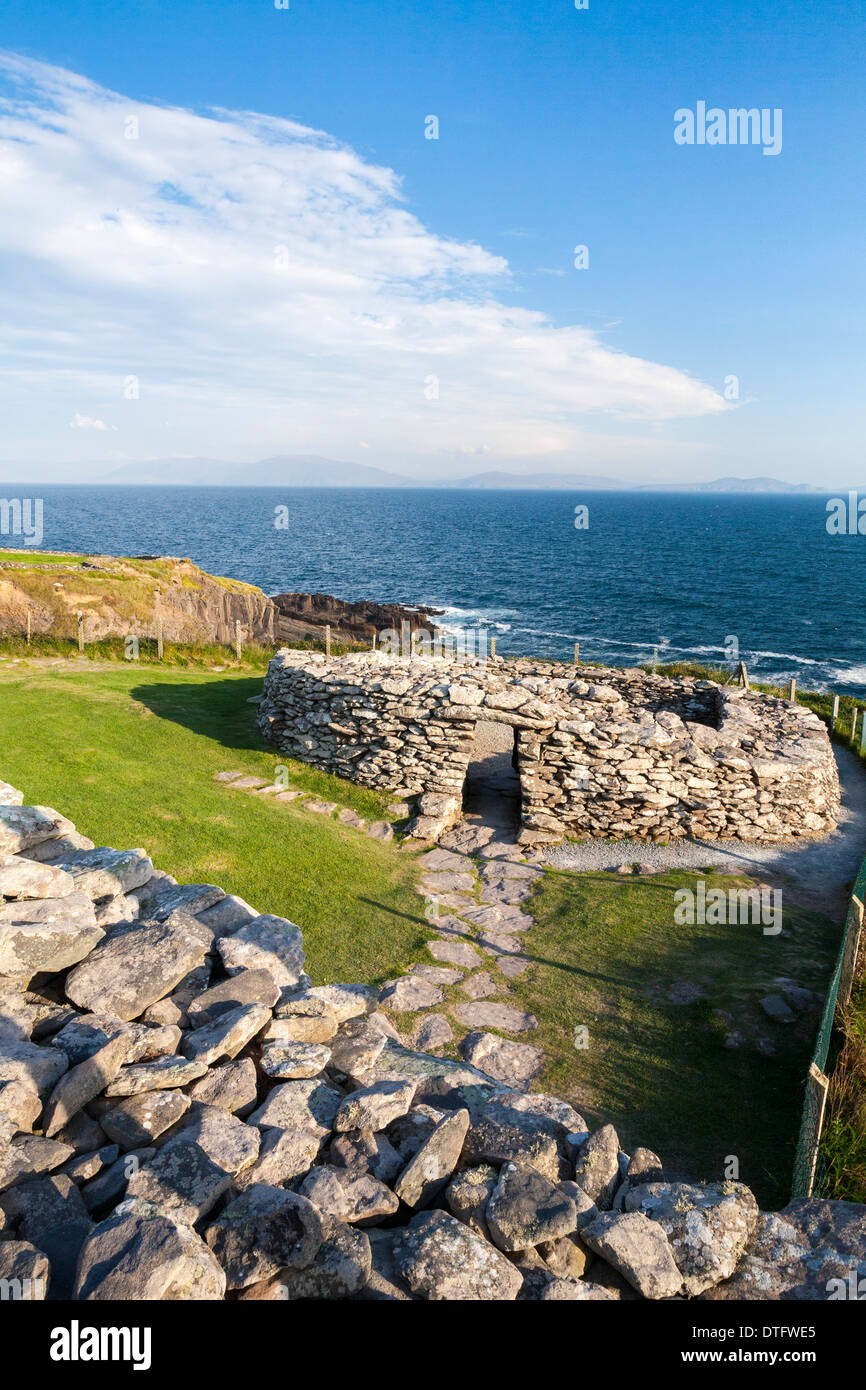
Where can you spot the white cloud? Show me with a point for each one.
(271, 293)
(86, 422)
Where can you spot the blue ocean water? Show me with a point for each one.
(684, 572)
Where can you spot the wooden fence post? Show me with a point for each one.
(577, 653)
(743, 675)
(792, 690)
(28, 627)
(327, 639)
(492, 648)
(863, 736)
(374, 639)
(835, 712)
(159, 642)
(81, 632)
(854, 724)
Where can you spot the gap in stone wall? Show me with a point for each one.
(491, 791)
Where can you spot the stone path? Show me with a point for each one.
(475, 883)
(236, 780)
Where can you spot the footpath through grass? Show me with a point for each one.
(130, 755)
(658, 1001)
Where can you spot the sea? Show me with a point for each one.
(706, 577)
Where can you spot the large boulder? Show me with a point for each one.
(427, 1174)
(22, 827)
(138, 1255)
(638, 1249)
(526, 1208)
(266, 943)
(440, 1258)
(708, 1226)
(265, 1230)
(135, 968)
(23, 878)
(812, 1249)
(46, 934)
(106, 873)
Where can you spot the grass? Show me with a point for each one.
(842, 1156)
(15, 646)
(131, 755)
(606, 953)
(36, 557)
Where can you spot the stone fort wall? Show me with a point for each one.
(600, 752)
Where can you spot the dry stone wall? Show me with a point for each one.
(600, 752)
(185, 1115)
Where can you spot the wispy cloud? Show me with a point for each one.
(86, 422)
(268, 290)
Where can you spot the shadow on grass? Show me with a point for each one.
(217, 709)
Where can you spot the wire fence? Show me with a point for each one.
(807, 1178)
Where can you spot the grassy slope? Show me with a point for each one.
(130, 756)
(607, 952)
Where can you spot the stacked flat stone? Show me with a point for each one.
(601, 752)
(185, 1115)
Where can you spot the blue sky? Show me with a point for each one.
(555, 129)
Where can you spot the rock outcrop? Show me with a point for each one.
(184, 1115)
(122, 597)
(599, 752)
(305, 615)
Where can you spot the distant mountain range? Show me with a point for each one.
(309, 470)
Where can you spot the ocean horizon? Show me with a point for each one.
(703, 577)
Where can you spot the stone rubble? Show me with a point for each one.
(184, 1115)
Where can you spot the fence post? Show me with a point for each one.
(492, 648)
(863, 736)
(854, 724)
(28, 632)
(835, 713)
(327, 639)
(792, 691)
(374, 639)
(743, 675)
(577, 653)
(81, 632)
(238, 646)
(159, 643)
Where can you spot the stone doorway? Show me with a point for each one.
(491, 791)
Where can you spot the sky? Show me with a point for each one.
(225, 233)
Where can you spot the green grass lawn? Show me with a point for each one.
(130, 755)
(607, 954)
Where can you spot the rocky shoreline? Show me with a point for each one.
(185, 1115)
